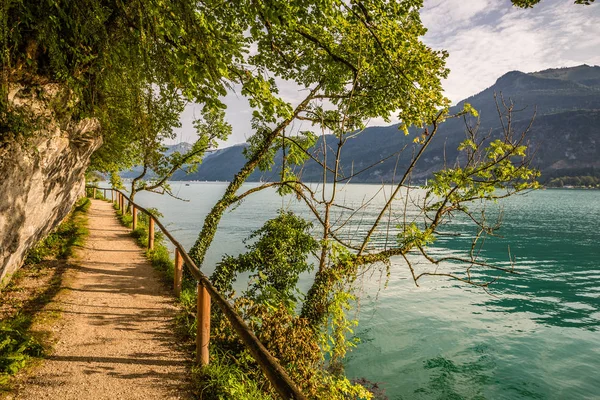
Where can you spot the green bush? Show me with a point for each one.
(17, 346)
(161, 259)
(126, 219)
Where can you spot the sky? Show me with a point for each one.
(485, 39)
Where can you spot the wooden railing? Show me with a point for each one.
(275, 373)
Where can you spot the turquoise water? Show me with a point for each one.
(535, 336)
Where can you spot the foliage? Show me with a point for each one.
(115, 180)
(531, 3)
(222, 380)
(132, 65)
(126, 219)
(275, 260)
(334, 340)
(151, 154)
(575, 181)
(89, 192)
(93, 177)
(366, 60)
(17, 346)
(291, 340)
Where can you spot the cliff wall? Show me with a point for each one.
(42, 171)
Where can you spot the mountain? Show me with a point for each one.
(182, 148)
(565, 134)
(219, 165)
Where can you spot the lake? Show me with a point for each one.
(536, 335)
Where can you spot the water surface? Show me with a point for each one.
(536, 336)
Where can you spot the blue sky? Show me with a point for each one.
(485, 39)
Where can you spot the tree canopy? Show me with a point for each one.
(531, 3)
(135, 64)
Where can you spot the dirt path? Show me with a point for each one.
(116, 339)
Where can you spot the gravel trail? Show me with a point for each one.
(116, 339)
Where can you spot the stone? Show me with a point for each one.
(42, 173)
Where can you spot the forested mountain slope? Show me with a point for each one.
(564, 134)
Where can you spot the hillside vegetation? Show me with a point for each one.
(565, 133)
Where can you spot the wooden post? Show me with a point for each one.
(134, 216)
(112, 196)
(104, 193)
(203, 326)
(120, 202)
(94, 196)
(178, 273)
(151, 234)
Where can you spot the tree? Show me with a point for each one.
(111, 56)
(152, 157)
(531, 3)
(365, 63)
(354, 62)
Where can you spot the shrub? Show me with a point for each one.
(17, 346)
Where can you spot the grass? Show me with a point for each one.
(59, 244)
(222, 380)
(31, 288)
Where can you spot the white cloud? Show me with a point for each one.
(553, 34)
(442, 17)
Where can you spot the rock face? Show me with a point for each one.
(42, 173)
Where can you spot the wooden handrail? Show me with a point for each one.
(276, 374)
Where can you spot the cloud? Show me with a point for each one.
(442, 17)
(485, 44)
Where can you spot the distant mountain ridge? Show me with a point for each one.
(565, 135)
(181, 147)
